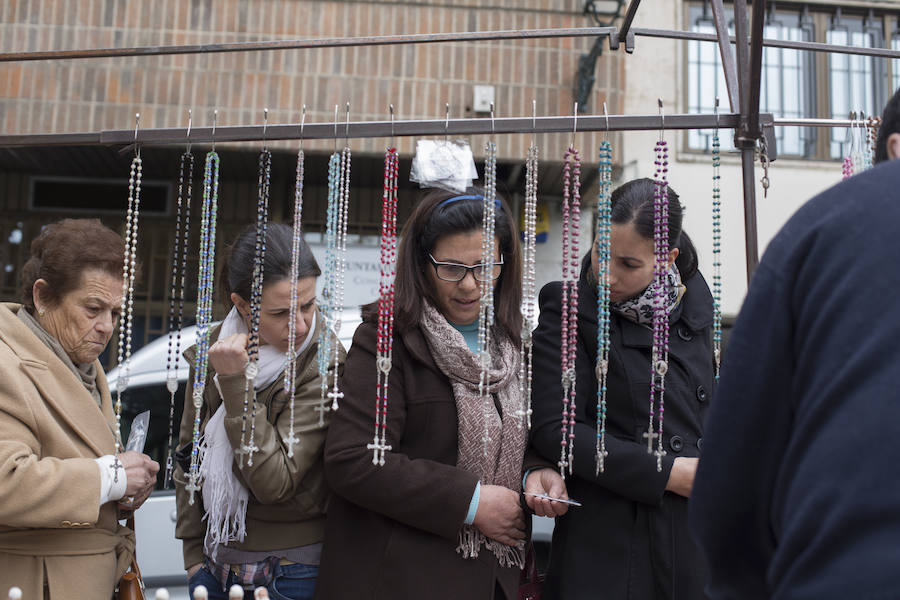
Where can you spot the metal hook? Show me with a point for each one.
(215, 121)
(606, 116)
(533, 119)
(446, 120)
(852, 118)
(190, 124)
(137, 122)
(302, 123)
(347, 127)
(391, 106)
(492, 118)
(574, 123)
(717, 112)
(861, 126)
(335, 126)
(662, 118)
(265, 126)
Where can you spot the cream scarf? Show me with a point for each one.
(224, 496)
(501, 464)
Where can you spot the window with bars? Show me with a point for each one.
(800, 83)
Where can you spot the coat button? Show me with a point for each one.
(685, 334)
(699, 443)
(676, 443)
(701, 393)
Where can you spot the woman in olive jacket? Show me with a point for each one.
(259, 522)
(629, 540)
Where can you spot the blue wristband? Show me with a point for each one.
(473, 505)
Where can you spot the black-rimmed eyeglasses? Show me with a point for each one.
(448, 271)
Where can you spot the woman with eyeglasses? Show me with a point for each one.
(441, 518)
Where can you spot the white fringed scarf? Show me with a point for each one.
(502, 463)
(224, 496)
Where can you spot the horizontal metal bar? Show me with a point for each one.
(422, 38)
(382, 129)
(786, 122)
(382, 40)
(770, 43)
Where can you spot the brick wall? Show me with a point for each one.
(87, 95)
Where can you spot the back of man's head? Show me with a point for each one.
(890, 124)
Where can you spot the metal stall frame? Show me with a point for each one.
(742, 82)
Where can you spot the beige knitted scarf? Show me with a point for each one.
(499, 461)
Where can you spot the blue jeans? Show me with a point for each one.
(291, 582)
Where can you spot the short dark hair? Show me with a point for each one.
(632, 202)
(431, 220)
(63, 251)
(237, 271)
(890, 123)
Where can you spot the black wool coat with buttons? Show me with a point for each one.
(630, 538)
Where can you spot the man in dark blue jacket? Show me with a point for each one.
(798, 491)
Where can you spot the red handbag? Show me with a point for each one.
(531, 582)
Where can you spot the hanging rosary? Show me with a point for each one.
(571, 209)
(340, 266)
(128, 272)
(326, 342)
(872, 125)
(176, 320)
(529, 235)
(289, 372)
(660, 353)
(604, 229)
(208, 219)
(248, 445)
(385, 340)
(486, 305)
(717, 249)
(335, 255)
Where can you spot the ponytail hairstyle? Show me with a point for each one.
(237, 271)
(632, 202)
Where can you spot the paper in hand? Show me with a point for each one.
(138, 436)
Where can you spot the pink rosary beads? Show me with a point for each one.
(660, 353)
(571, 209)
(385, 340)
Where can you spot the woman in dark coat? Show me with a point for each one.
(630, 538)
(441, 517)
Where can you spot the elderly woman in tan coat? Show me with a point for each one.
(60, 476)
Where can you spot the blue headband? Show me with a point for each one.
(471, 197)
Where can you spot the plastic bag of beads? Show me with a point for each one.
(445, 164)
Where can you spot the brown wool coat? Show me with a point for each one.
(392, 530)
(52, 527)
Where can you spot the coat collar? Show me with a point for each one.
(59, 387)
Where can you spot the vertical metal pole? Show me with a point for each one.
(745, 139)
(743, 58)
(731, 79)
(751, 243)
(756, 35)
